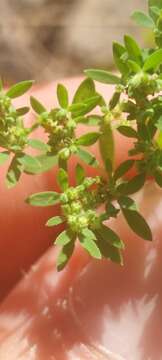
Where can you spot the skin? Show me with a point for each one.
(91, 310)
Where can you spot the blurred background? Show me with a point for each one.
(51, 39)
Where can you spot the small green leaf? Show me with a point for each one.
(111, 210)
(89, 234)
(47, 198)
(62, 178)
(56, 220)
(65, 255)
(132, 186)
(93, 120)
(155, 10)
(106, 143)
(114, 100)
(19, 89)
(127, 131)
(102, 101)
(38, 144)
(4, 156)
(154, 13)
(118, 51)
(159, 140)
(79, 119)
(158, 177)
(37, 106)
(153, 61)
(90, 245)
(88, 139)
(133, 66)
(14, 173)
(80, 174)
(133, 49)
(46, 162)
(23, 110)
(157, 3)
(15, 148)
(129, 107)
(110, 236)
(87, 157)
(108, 251)
(126, 202)
(29, 163)
(103, 76)
(90, 104)
(62, 96)
(64, 238)
(142, 19)
(115, 255)
(80, 109)
(75, 108)
(137, 223)
(123, 168)
(85, 90)
(109, 166)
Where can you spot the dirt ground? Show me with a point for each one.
(49, 39)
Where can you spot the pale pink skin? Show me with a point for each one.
(91, 310)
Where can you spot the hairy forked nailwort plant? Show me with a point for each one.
(135, 110)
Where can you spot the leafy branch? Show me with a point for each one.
(134, 110)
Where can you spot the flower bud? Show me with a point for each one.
(72, 194)
(76, 207)
(73, 149)
(64, 198)
(64, 154)
(88, 182)
(82, 222)
(61, 114)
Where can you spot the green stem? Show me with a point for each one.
(63, 164)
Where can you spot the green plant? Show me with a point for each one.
(137, 115)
